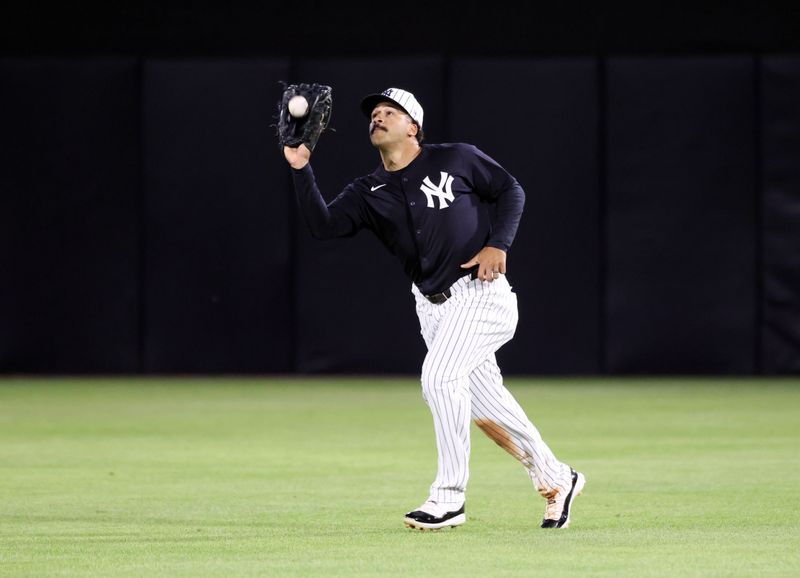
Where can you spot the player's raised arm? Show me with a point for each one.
(304, 112)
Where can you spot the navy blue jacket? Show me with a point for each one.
(433, 214)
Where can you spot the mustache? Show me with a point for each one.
(373, 127)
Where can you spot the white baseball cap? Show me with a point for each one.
(402, 98)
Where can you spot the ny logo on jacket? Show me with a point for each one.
(444, 191)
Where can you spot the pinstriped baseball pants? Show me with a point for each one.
(461, 382)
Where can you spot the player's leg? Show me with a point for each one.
(503, 420)
(460, 333)
(446, 391)
(452, 443)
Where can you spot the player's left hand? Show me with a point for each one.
(491, 261)
(297, 157)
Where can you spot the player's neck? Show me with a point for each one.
(396, 159)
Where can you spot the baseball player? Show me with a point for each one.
(427, 204)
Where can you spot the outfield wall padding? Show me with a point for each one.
(217, 275)
(70, 221)
(148, 224)
(780, 329)
(681, 224)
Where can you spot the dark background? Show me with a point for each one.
(147, 222)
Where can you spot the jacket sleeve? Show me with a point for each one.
(495, 184)
(342, 217)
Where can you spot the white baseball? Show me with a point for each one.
(298, 106)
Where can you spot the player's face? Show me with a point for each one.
(388, 124)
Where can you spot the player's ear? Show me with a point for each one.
(413, 129)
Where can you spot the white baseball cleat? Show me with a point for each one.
(433, 516)
(559, 503)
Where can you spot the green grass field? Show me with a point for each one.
(296, 477)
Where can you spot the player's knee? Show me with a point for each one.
(436, 379)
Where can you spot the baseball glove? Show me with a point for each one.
(303, 122)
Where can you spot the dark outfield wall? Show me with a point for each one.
(147, 222)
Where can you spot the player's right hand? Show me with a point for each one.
(491, 263)
(297, 157)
